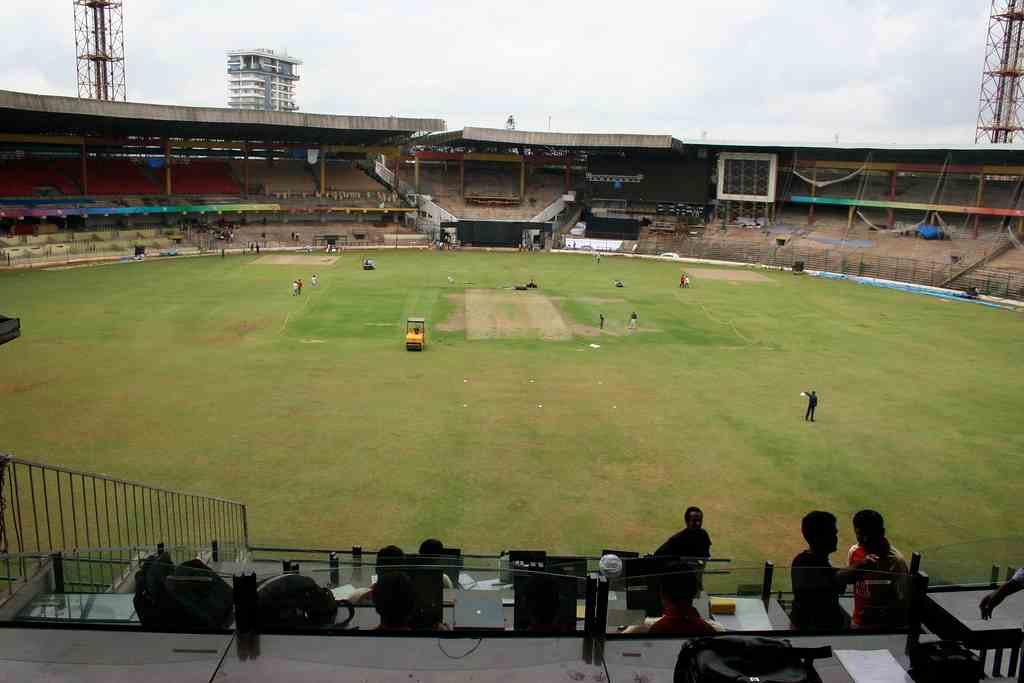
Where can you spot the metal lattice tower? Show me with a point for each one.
(1002, 81)
(99, 46)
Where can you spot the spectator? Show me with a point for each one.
(817, 585)
(992, 600)
(434, 548)
(394, 598)
(542, 600)
(680, 585)
(388, 554)
(431, 547)
(692, 541)
(880, 592)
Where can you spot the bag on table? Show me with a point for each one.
(186, 597)
(739, 659)
(293, 601)
(944, 661)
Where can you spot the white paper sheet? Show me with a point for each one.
(872, 666)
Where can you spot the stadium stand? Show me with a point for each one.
(346, 177)
(490, 193)
(112, 176)
(648, 180)
(33, 177)
(255, 613)
(283, 176)
(204, 176)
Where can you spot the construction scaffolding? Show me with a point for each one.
(99, 49)
(1002, 88)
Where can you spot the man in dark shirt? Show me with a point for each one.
(692, 541)
(812, 403)
(817, 585)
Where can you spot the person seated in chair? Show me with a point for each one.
(679, 587)
(881, 592)
(364, 596)
(817, 585)
(542, 600)
(435, 548)
(394, 598)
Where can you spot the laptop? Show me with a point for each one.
(478, 611)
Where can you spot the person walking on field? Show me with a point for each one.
(812, 403)
(313, 281)
(295, 287)
(633, 317)
(601, 317)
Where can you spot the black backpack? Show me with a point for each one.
(944, 661)
(187, 597)
(739, 659)
(293, 601)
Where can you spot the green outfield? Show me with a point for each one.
(511, 430)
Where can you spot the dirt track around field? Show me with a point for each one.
(498, 314)
(293, 260)
(727, 275)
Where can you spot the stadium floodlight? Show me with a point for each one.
(10, 329)
(99, 49)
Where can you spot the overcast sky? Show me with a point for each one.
(870, 70)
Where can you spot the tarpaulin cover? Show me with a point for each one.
(10, 329)
(948, 295)
(930, 232)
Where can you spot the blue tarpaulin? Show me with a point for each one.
(948, 295)
(930, 232)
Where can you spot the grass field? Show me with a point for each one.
(207, 375)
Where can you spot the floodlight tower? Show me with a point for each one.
(1002, 81)
(99, 47)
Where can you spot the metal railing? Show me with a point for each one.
(46, 509)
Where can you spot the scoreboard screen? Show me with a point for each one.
(747, 177)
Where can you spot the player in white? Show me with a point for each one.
(295, 287)
(313, 281)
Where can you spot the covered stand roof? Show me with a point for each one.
(858, 151)
(501, 137)
(49, 114)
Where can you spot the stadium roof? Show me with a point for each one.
(959, 153)
(526, 138)
(49, 114)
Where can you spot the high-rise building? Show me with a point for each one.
(262, 79)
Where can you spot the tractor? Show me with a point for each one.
(415, 334)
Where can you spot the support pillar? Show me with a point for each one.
(323, 172)
(814, 193)
(890, 215)
(568, 176)
(416, 171)
(85, 173)
(462, 178)
(398, 168)
(849, 217)
(245, 167)
(977, 201)
(167, 166)
(522, 180)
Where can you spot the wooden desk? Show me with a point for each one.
(954, 615)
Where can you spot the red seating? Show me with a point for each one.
(26, 177)
(203, 176)
(119, 176)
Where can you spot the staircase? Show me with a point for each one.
(992, 255)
